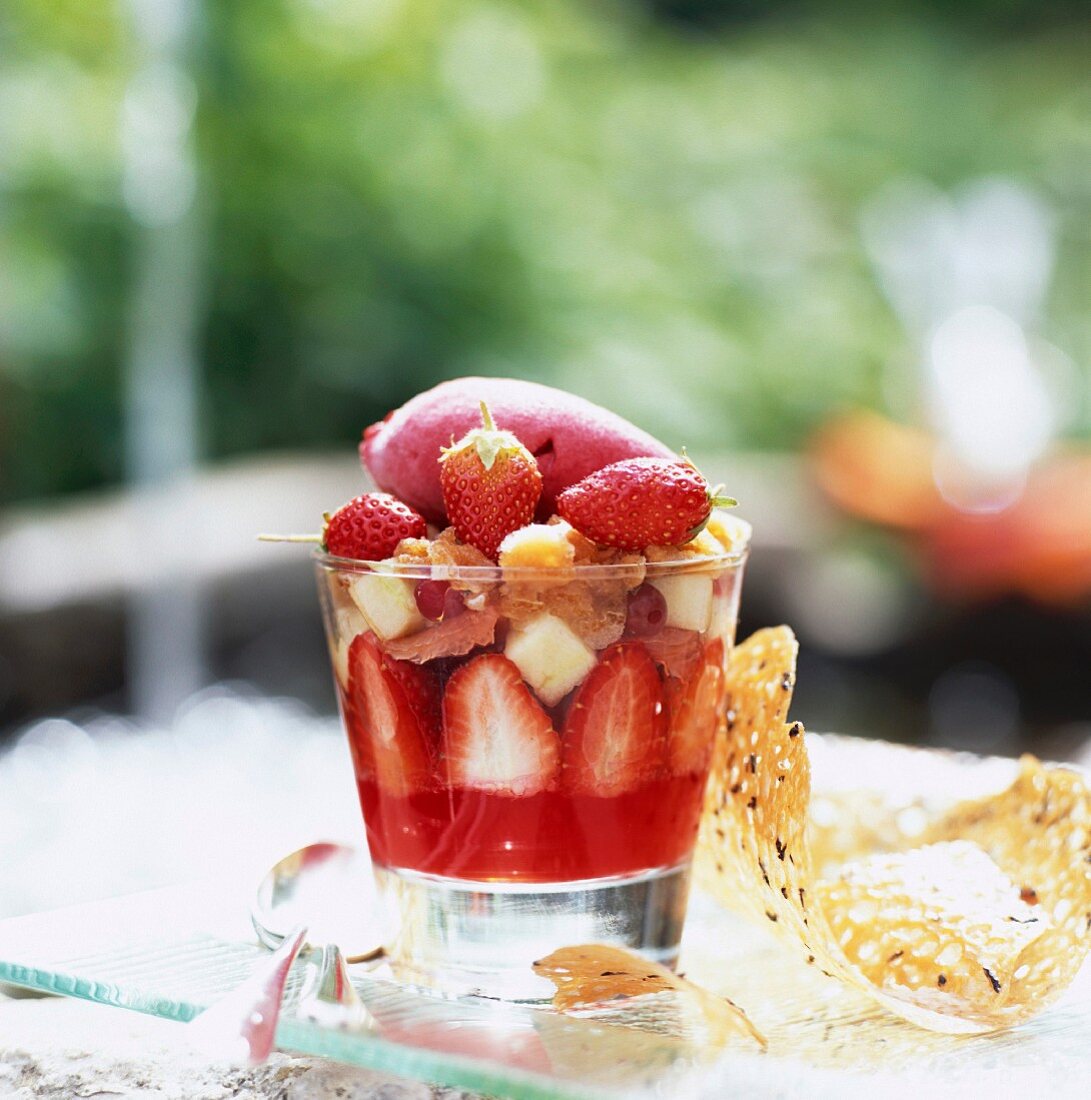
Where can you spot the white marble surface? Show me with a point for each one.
(53, 1049)
(102, 807)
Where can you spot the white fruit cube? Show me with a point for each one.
(387, 603)
(348, 624)
(551, 657)
(689, 600)
(722, 624)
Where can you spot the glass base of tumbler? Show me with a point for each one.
(480, 938)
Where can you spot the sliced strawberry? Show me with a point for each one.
(422, 694)
(695, 708)
(363, 759)
(394, 717)
(678, 651)
(496, 737)
(613, 733)
(452, 637)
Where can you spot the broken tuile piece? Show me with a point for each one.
(948, 936)
(593, 974)
(1038, 832)
(939, 917)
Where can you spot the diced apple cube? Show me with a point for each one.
(551, 657)
(348, 624)
(722, 624)
(689, 600)
(387, 603)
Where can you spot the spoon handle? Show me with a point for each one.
(328, 996)
(242, 1025)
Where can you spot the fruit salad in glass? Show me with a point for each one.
(529, 654)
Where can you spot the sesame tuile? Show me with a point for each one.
(960, 898)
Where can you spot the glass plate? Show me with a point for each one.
(173, 952)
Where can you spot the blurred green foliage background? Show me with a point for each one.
(657, 206)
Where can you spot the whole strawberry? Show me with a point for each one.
(369, 527)
(491, 485)
(641, 502)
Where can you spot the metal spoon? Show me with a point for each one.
(242, 1025)
(328, 888)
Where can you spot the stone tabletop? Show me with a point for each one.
(54, 1049)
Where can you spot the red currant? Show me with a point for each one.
(453, 603)
(431, 597)
(647, 611)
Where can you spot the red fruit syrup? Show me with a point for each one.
(559, 834)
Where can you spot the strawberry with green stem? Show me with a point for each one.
(367, 528)
(642, 502)
(491, 485)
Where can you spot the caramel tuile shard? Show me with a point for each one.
(975, 930)
(593, 974)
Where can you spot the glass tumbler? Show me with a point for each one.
(531, 748)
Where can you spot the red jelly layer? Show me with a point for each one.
(552, 836)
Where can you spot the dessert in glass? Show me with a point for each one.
(531, 709)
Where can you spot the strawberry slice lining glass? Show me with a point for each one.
(531, 748)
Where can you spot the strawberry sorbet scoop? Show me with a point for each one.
(568, 436)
